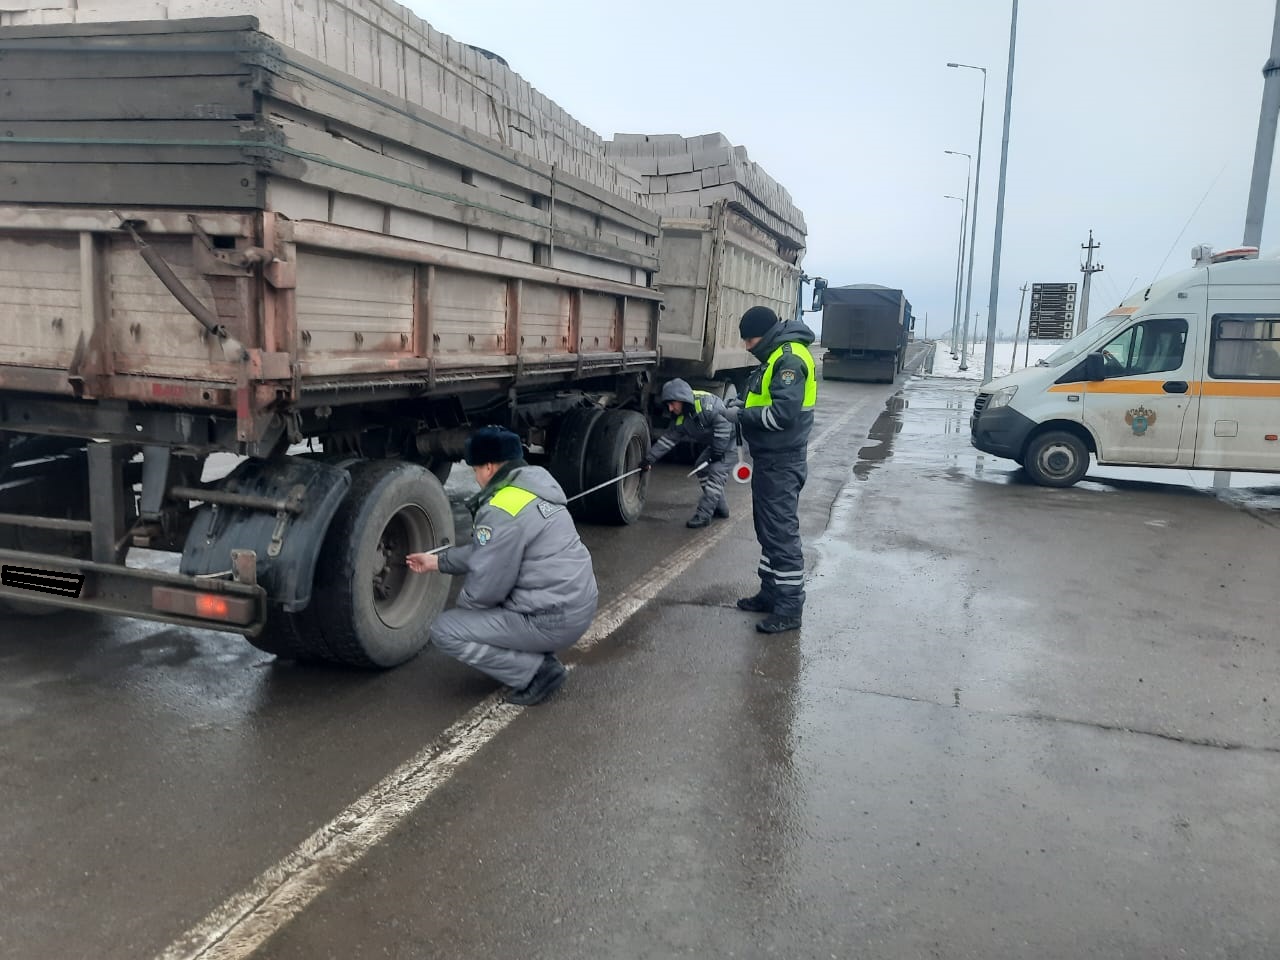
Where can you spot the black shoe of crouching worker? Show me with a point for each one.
(722, 513)
(697, 523)
(778, 624)
(549, 678)
(757, 604)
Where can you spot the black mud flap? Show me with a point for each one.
(287, 539)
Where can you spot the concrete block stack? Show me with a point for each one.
(384, 44)
(214, 113)
(684, 177)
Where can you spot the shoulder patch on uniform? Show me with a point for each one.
(484, 535)
(788, 377)
(547, 509)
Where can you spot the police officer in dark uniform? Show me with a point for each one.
(776, 417)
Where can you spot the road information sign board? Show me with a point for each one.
(1053, 311)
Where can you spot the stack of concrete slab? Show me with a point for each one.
(215, 113)
(683, 177)
(382, 43)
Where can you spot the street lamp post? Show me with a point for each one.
(955, 310)
(993, 294)
(973, 221)
(959, 287)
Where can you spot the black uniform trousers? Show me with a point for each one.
(776, 481)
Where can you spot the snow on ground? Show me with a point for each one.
(945, 366)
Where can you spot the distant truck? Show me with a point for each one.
(865, 329)
(1185, 373)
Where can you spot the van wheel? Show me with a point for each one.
(367, 609)
(1056, 459)
(619, 443)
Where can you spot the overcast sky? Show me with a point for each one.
(1127, 114)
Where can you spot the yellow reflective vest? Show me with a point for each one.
(765, 398)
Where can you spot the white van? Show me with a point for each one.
(1185, 373)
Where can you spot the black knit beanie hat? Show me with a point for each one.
(756, 322)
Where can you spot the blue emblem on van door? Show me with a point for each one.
(1140, 419)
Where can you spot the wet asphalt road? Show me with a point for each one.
(1017, 723)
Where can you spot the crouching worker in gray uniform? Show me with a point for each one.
(700, 417)
(529, 589)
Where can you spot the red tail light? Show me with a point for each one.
(203, 606)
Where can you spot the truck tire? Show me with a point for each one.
(367, 609)
(619, 443)
(440, 469)
(569, 455)
(282, 637)
(1056, 458)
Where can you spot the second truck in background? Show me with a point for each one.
(865, 329)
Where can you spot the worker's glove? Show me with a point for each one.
(647, 464)
(731, 411)
(714, 456)
(735, 403)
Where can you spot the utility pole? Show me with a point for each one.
(1013, 361)
(1088, 268)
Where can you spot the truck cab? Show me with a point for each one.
(1185, 373)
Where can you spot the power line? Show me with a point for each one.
(1155, 276)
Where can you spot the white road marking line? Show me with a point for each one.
(243, 923)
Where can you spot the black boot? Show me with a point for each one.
(697, 523)
(722, 512)
(757, 604)
(777, 623)
(549, 678)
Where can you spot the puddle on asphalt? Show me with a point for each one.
(887, 426)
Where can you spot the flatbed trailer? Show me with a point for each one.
(210, 244)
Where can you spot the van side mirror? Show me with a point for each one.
(1095, 367)
(819, 294)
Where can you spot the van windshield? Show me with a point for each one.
(1081, 342)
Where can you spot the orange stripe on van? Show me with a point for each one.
(1135, 387)
(1195, 388)
(1237, 388)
